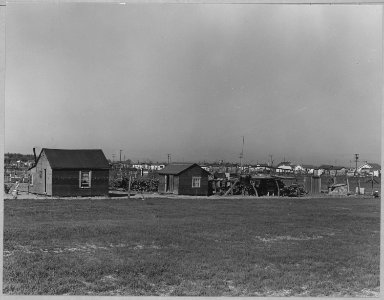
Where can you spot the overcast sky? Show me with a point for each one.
(302, 82)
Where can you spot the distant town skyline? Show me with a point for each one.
(116, 158)
(300, 82)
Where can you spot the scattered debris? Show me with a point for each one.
(141, 184)
(294, 190)
(338, 189)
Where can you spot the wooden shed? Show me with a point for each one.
(184, 179)
(59, 172)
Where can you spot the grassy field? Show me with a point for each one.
(192, 247)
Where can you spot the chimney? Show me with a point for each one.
(34, 154)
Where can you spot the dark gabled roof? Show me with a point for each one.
(375, 166)
(177, 168)
(326, 167)
(331, 167)
(308, 166)
(337, 167)
(228, 164)
(76, 159)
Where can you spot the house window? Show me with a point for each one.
(196, 182)
(85, 179)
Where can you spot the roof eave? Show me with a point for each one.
(86, 168)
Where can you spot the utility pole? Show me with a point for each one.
(357, 178)
(241, 157)
(271, 164)
(271, 156)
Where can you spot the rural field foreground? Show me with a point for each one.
(192, 247)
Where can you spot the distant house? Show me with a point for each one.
(284, 167)
(206, 167)
(59, 172)
(148, 166)
(156, 167)
(370, 169)
(338, 170)
(184, 179)
(142, 166)
(308, 169)
(231, 168)
(332, 170)
(304, 169)
(262, 168)
(298, 169)
(324, 170)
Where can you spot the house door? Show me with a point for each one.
(168, 183)
(45, 181)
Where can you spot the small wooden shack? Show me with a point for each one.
(61, 172)
(184, 179)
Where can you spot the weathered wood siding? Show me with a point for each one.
(176, 185)
(185, 182)
(66, 183)
(161, 187)
(182, 183)
(38, 174)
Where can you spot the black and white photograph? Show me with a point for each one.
(192, 148)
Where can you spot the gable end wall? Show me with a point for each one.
(185, 182)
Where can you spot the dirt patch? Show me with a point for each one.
(274, 293)
(288, 238)
(109, 279)
(138, 247)
(7, 253)
(370, 293)
(86, 248)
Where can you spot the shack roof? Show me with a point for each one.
(375, 166)
(331, 167)
(177, 168)
(338, 167)
(308, 166)
(76, 159)
(326, 167)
